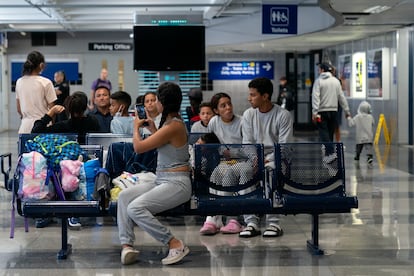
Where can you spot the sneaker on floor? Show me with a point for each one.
(42, 222)
(249, 232)
(369, 160)
(233, 227)
(129, 255)
(209, 228)
(272, 231)
(176, 254)
(74, 222)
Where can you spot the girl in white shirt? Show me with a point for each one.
(34, 94)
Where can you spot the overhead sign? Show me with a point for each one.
(277, 19)
(104, 46)
(240, 70)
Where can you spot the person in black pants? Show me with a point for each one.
(326, 94)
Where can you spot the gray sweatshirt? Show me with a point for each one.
(326, 94)
(267, 128)
(364, 124)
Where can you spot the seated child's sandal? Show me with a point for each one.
(273, 230)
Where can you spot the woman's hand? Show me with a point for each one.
(150, 125)
(56, 109)
(147, 123)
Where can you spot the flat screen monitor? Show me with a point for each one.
(169, 48)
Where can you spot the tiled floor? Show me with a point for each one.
(376, 239)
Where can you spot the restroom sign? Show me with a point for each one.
(277, 19)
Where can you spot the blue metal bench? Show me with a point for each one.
(238, 183)
(306, 182)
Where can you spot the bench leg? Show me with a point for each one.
(66, 248)
(313, 245)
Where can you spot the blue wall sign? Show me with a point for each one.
(279, 19)
(71, 70)
(240, 70)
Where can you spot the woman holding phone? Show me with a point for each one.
(138, 205)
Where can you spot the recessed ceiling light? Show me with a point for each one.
(376, 9)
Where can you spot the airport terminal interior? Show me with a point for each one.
(375, 239)
(370, 43)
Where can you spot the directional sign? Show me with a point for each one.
(279, 19)
(240, 70)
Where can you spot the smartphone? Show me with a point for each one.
(141, 112)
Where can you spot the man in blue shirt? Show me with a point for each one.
(101, 111)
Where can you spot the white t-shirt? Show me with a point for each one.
(34, 93)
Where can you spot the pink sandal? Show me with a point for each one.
(209, 228)
(233, 227)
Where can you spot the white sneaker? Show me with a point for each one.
(176, 254)
(129, 255)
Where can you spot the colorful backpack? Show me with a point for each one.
(55, 148)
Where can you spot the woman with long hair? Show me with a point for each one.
(138, 205)
(34, 94)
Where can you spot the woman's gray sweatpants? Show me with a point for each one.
(139, 205)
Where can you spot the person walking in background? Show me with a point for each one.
(101, 109)
(206, 113)
(339, 113)
(139, 204)
(62, 92)
(34, 94)
(121, 122)
(101, 81)
(364, 124)
(326, 94)
(264, 123)
(285, 98)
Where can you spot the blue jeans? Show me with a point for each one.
(121, 157)
(139, 205)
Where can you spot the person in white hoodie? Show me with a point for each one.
(326, 94)
(364, 123)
